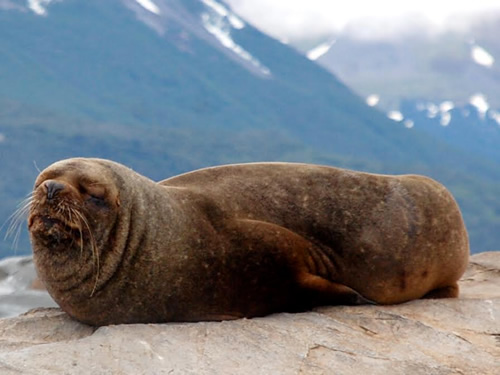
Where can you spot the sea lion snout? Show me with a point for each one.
(53, 188)
(54, 210)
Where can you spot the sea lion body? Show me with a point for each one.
(239, 240)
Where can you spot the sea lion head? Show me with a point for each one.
(73, 214)
(72, 200)
(87, 218)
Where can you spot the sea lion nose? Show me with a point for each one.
(53, 188)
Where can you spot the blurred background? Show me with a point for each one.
(167, 86)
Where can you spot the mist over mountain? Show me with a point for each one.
(167, 86)
(452, 63)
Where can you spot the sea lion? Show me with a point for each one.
(244, 240)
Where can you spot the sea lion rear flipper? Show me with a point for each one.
(328, 292)
(450, 291)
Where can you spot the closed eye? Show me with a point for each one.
(94, 193)
(96, 200)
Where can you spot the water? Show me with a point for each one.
(16, 293)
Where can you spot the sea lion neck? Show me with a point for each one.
(137, 220)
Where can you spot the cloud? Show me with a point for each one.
(295, 19)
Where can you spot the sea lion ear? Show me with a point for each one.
(118, 201)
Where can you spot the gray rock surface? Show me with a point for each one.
(452, 336)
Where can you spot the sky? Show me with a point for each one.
(286, 19)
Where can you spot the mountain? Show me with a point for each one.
(92, 60)
(166, 86)
(454, 64)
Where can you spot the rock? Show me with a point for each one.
(482, 278)
(449, 336)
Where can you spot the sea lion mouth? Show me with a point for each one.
(50, 222)
(53, 227)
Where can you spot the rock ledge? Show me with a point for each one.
(452, 336)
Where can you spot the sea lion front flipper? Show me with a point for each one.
(315, 290)
(329, 292)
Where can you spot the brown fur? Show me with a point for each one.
(239, 240)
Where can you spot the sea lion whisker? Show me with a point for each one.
(21, 209)
(81, 241)
(67, 212)
(16, 220)
(93, 246)
(36, 166)
(79, 226)
(84, 221)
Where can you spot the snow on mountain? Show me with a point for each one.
(408, 123)
(419, 66)
(234, 20)
(149, 6)
(479, 101)
(478, 110)
(440, 111)
(495, 115)
(445, 118)
(431, 108)
(481, 56)
(372, 100)
(320, 50)
(39, 7)
(444, 109)
(446, 106)
(215, 23)
(395, 116)
(219, 21)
